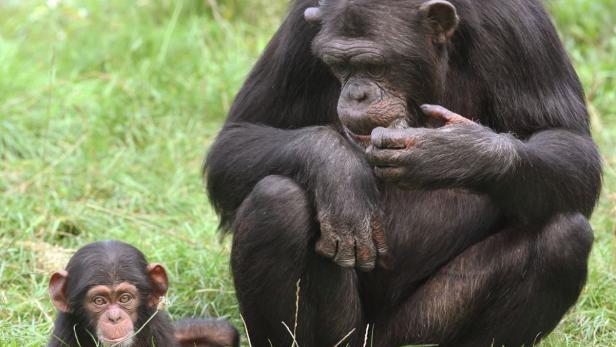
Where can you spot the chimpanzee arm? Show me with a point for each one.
(552, 171)
(556, 170)
(280, 124)
(288, 88)
(206, 332)
(335, 175)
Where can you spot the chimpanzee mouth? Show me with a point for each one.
(124, 341)
(363, 140)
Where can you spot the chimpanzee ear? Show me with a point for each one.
(442, 17)
(159, 281)
(57, 290)
(314, 14)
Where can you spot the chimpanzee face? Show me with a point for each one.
(109, 291)
(113, 311)
(386, 68)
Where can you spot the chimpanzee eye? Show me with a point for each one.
(342, 71)
(375, 70)
(99, 301)
(125, 298)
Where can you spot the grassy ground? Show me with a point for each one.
(106, 109)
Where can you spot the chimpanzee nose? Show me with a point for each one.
(354, 105)
(357, 93)
(114, 316)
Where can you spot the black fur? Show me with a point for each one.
(491, 245)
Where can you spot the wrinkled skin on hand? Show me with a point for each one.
(362, 245)
(347, 207)
(459, 151)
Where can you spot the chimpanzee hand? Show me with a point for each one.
(462, 153)
(346, 199)
(352, 241)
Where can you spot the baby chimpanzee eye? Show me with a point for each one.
(99, 301)
(125, 298)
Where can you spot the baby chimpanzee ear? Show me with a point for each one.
(57, 290)
(159, 281)
(442, 17)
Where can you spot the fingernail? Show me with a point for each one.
(366, 267)
(346, 263)
(377, 136)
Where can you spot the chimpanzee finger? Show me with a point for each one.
(440, 113)
(365, 250)
(392, 174)
(345, 255)
(378, 235)
(328, 242)
(392, 138)
(384, 157)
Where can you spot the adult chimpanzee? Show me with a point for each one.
(108, 296)
(334, 143)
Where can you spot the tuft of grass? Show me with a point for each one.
(107, 108)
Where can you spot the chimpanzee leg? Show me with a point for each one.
(273, 247)
(509, 290)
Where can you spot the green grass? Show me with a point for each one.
(107, 108)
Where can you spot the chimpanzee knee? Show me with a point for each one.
(564, 247)
(556, 279)
(273, 248)
(556, 276)
(277, 190)
(276, 211)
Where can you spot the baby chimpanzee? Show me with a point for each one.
(109, 296)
